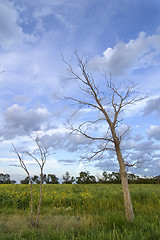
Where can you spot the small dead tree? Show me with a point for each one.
(24, 167)
(109, 104)
(43, 153)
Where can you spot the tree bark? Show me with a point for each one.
(31, 212)
(40, 199)
(124, 181)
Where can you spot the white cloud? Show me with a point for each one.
(11, 34)
(31, 72)
(56, 11)
(152, 106)
(154, 132)
(21, 99)
(42, 12)
(140, 53)
(64, 140)
(8, 160)
(108, 165)
(143, 146)
(18, 121)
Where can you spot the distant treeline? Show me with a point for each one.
(84, 178)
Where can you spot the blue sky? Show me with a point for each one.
(119, 36)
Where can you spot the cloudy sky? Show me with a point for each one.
(120, 37)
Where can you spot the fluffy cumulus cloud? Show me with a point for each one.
(144, 153)
(140, 53)
(154, 132)
(152, 106)
(18, 121)
(64, 140)
(11, 33)
(151, 168)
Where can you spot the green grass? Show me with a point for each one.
(80, 212)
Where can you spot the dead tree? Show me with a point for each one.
(109, 104)
(24, 167)
(42, 152)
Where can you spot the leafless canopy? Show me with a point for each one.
(109, 100)
(43, 153)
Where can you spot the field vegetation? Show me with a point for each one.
(80, 212)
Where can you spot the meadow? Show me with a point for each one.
(80, 212)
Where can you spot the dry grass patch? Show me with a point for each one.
(13, 223)
(20, 223)
(66, 222)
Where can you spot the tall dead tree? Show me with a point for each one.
(43, 152)
(109, 103)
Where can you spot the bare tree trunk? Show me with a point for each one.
(31, 214)
(124, 181)
(40, 200)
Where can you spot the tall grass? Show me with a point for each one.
(80, 212)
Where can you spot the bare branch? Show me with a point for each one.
(82, 103)
(120, 137)
(83, 133)
(22, 164)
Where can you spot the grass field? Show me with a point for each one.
(80, 212)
